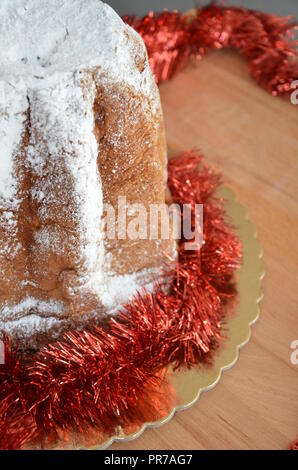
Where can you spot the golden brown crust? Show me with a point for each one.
(134, 167)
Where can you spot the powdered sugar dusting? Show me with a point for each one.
(24, 327)
(47, 317)
(30, 304)
(121, 289)
(40, 42)
(52, 56)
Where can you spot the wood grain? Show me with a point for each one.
(252, 139)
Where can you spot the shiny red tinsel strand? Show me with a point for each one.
(263, 39)
(294, 446)
(96, 379)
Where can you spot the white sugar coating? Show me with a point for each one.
(65, 123)
(23, 328)
(42, 41)
(116, 290)
(30, 304)
(47, 317)
(39, 39)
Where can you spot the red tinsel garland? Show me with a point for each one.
(172, 39)
(94, 379)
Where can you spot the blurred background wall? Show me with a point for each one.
(141, 7)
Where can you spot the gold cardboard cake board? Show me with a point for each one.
(188, 384)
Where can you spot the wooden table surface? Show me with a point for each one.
(252, 139)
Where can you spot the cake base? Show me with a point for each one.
(35, 330)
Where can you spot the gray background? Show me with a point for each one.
(141, 7)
